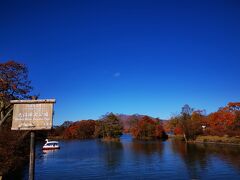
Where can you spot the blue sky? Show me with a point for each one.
(145, 57)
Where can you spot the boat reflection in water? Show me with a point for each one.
(48, 151)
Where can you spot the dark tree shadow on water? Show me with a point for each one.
(113, 153)
(194, 158)
(197, 157)
(227, 153)
(147, 147)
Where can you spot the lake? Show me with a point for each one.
(131, 159)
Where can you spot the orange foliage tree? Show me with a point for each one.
(173, 126)
(226, 121)
(80, 130)
(14, 83)
(188, 123)
(147, 128)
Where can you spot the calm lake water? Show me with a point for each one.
(129, 159)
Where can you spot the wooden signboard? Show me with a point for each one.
(32, 114)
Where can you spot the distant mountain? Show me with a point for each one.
(67, 123)
(126, 119)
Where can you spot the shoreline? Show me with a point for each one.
(211, 140)
(216, 143)
(200, 139)
(110, 139)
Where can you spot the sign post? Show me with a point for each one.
(32, 156)
(32, 115)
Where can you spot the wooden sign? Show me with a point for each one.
(32, 114)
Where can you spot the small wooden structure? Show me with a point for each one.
(32, 115)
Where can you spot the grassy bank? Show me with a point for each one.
(218, 140)
(211, 139)
(179, 137)
(110, 139)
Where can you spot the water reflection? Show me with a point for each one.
(146, 153)
(227, 153)
(147, 147)
(48, 154)
(131, 159)
(112, 153)
(49, 151)
(199, 157)
(194, 158)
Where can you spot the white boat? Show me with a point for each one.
(51, 145)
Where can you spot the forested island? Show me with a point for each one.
(111, 127)
(192, 125)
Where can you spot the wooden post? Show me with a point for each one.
(32, 156)
(32, 152)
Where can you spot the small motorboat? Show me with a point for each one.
(49, 145)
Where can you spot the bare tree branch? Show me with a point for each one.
(6, 116)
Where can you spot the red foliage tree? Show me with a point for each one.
(80, 130)
(188, 123)
(178, 131)
(14, 83)
(147, 128)
(226, 121)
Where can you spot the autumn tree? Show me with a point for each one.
(133, 121)
(14, 84)
(146, 128)
(59, 130)
(174, 126)
(226, 121)
(196, 123)
(184, 120)
(234, 107)
(109, 127)
(80, 130)
(188, 122)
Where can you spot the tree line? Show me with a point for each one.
(111, 126)
(191, 123)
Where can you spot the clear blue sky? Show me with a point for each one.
(146, 57)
